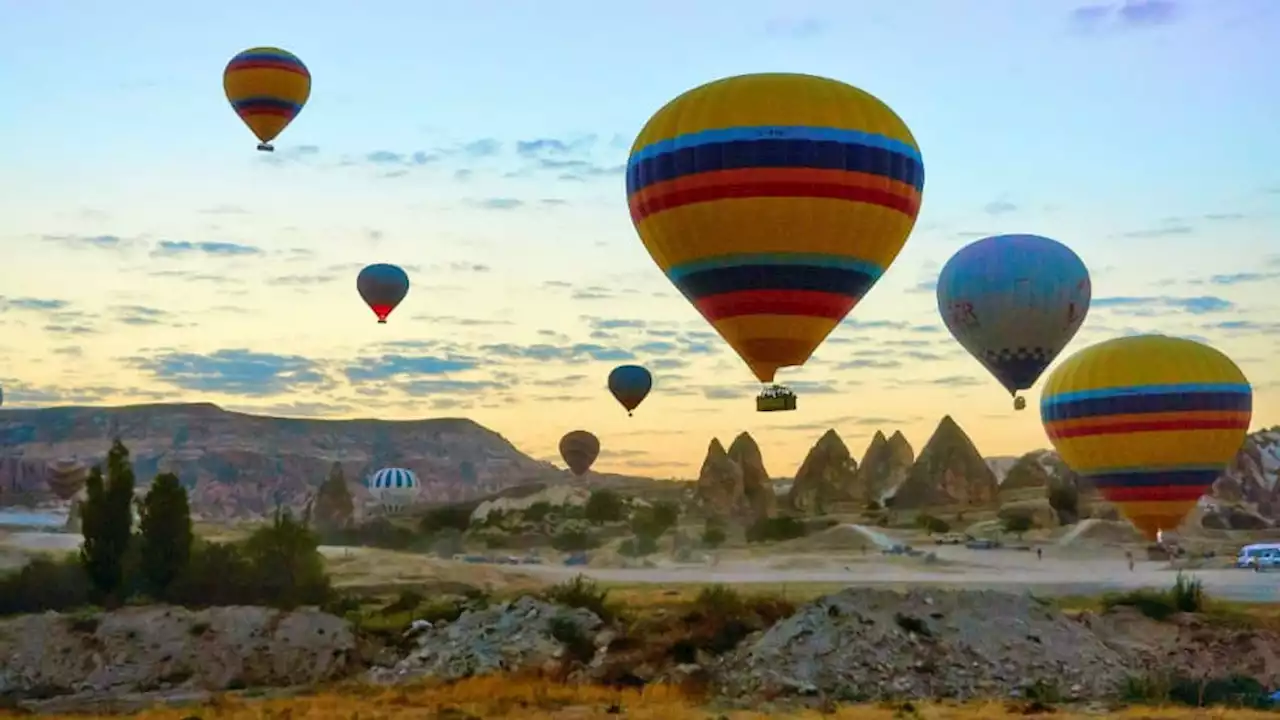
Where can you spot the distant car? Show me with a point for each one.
(951, 539)
(982, 544)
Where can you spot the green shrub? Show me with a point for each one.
(775, 529)
(582, 592)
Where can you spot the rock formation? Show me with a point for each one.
(722, 490)
(885, 465)
(949, 472)
(827, 475)
(238, 465)
(1251, 476)
(757, 488)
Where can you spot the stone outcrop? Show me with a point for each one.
(949, 472)
(239, 465)
(144, 649)
(1252, 476)
(757, 488)
(828, 475)
(885, 465)
(734, 485)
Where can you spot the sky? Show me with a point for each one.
(152, 255)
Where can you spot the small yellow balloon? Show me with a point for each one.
(267, 87)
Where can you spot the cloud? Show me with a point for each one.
(234, 372)
(429, 388)
(32, 304)
(497, 203)
(224, 210)
(89, 242)
(180, 248)
(1128, 15)
(999, 207)
(569, 159)
(1249, 326)
(869, 364)
(139, 315)
(1168, 229)
(392, 366)
(195, 276)
(1224, 217)
(579, 352)
(20, 394)
(1162, 305)
(796, 28)
(460, 321)
(1242, 278)
(291, 155)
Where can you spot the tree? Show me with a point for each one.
(334, 508)
(1064, 498)
(713, 535)
(653, 521)
(1017, 524)
(107, 524)
(604, 506)
(931, 524)
(287, 567)
(166, 536)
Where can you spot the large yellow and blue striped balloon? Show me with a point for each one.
(774, 202)
(267, 87)
(1150, 420)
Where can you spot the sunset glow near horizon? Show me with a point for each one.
(152, 255)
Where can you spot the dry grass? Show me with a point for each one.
(533, 699)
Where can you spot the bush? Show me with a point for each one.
(1186, 595)
(721, 618)
(377, 532)
(604, 506)
(44, 584)
(1165, 688)
(287, 567)
(582, 592)
(713, 535)
(775, 529)
(931, 524)
(1017, 524)
(574, 540)
(455, 517)
(638, 546)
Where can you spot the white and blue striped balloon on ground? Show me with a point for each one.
(1014, 302)
(394, 488)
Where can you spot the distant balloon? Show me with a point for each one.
(267, 87)
(1150, 420)
(630, 384)
(1014, 302)
(774, 202)
(66, 477)
(579, 450)
(382, 287)
(394, 488)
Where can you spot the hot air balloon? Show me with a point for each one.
(382, 286)
(394, 488)
(1014, 301)
(579, 450)
(1150, 420)
(267, 87)
(630, 384)
(66, 477)
(774, 202)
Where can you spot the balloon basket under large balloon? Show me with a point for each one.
(382, 321)
(775, 398)
(266, 147)
(1019, 403)
(630, 414)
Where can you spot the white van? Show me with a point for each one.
(1249, 554)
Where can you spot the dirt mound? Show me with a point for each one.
(865, 644)
(1105, 532)
(834, 539)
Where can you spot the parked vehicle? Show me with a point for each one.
(1267, 561)
(1249, 553)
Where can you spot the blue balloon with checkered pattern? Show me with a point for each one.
(394, 488)
(1014, 302)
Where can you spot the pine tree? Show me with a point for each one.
(166, 535)
(107, 524)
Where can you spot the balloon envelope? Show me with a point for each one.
(267, 87)
(382, 287)
(1150, 420)
(630, 384)
(774, 202)
(394, 488)
(579, 450)
(1014, 302)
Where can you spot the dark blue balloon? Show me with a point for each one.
(630, 384)
(382, 287)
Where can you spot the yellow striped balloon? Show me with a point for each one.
(1150, 420)
(774, 202)
(267, 87)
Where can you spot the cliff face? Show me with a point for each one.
(949, 471)
(885, 466)
(238, 465)
(827, 475)
(733, 484)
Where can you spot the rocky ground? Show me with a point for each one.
(859, 644)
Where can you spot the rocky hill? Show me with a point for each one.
(733, 484)
(239, 465)
(950, 471)
(884, 467)
(828, 475)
